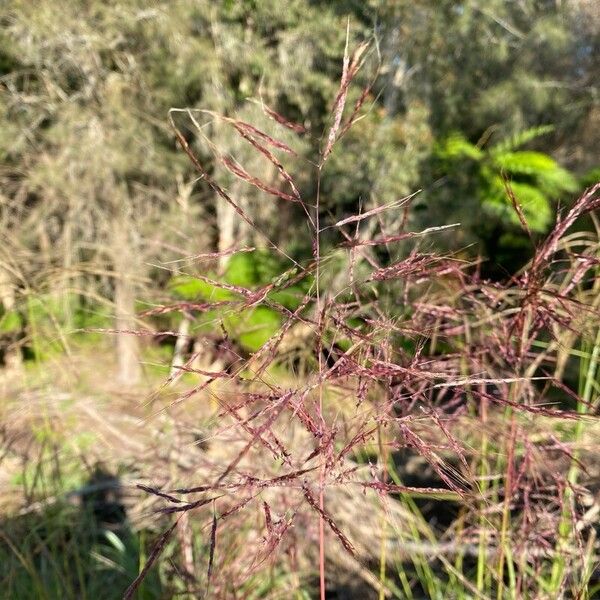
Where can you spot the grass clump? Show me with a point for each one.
(378, 418)
(427, 438)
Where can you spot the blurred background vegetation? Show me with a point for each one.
(96, 197)
(99, 208)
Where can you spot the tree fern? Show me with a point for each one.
(536, 179)
(519, 139)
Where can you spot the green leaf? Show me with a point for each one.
(187, 287)
(590, 178)
(290, 297)
(242, 270)
(11, 322)
(457, 146)
(526, 162)
(558, 181)
(536, 206)
(251, 269)
(520, 139)
(253, 327)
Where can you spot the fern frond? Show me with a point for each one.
(557, 181)
(520, 139)
(534, 203)
(525, 162)
(457, 146)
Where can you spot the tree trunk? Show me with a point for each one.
(226, 226)
(13, 358)
(127, 345)
(183, 338)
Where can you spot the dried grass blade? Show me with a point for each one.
(210, 255)
(392, 488)
(242, 174)
(254, 131)
(270, 157)
(156, 551)
(221, 192)
(156, 492)
(211, 554)
(296, 127)
(257, 434)
(188, 506)
(397, 238)
(349, 71)
(268, 518)
(516, 204)
(377, 210)
(346, 543)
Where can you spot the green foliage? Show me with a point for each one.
(535, 178)
(49, 323)
(64, 552)
(251, 327)
(251, 269)
(520, 138)
(85, 88)
(11, 322)
(456, 147)
(192, 289)
(591, 177)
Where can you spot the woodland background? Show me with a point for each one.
(100, 210)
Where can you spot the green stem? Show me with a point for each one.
(564, 528)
